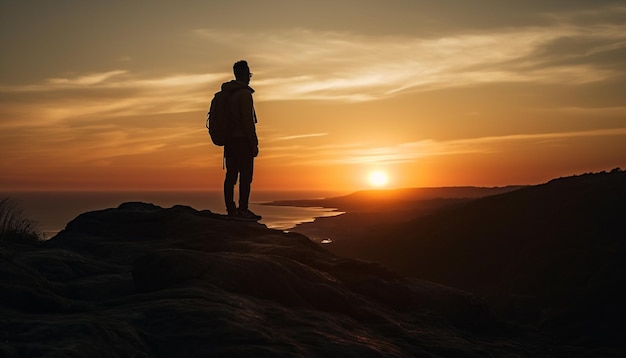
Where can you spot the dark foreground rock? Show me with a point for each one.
(143, 281)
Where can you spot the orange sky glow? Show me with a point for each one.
(113, 95)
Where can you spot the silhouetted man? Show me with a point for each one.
(243, 146)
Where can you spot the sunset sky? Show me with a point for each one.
(113, 94)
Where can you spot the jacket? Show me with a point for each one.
(242, 111)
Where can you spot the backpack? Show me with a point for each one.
(218, 120)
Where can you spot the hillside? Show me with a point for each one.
(144, 281)
(366, 210)
(552, 256)
(395, 199)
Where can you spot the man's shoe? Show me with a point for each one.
(246, 214)
(232, 213)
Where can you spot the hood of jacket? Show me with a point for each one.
(234, 85)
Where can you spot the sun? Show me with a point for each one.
(378, 179)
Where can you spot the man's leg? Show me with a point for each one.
(246, 168)
(232, 171)
(245, 180)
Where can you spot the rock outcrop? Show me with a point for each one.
(144, 281)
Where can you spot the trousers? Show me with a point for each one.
(239, 165)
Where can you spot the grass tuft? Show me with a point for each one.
(14, 224)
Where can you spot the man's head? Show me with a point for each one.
(242, 71)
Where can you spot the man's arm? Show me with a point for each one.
(247, 116)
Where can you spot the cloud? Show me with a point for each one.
(411, 151)
(86, 80)
(302, 64)
(110, 94)
(118, 79)
(300, 136)
(577, 47)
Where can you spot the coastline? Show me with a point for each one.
(51, 211)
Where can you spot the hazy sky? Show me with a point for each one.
(114, 94)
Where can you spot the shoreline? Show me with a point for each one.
(52, 211)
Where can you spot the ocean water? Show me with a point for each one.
(51, 211)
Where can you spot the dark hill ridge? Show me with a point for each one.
(551, 255)
(144, 281)
(368, 209)
(396, 199)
